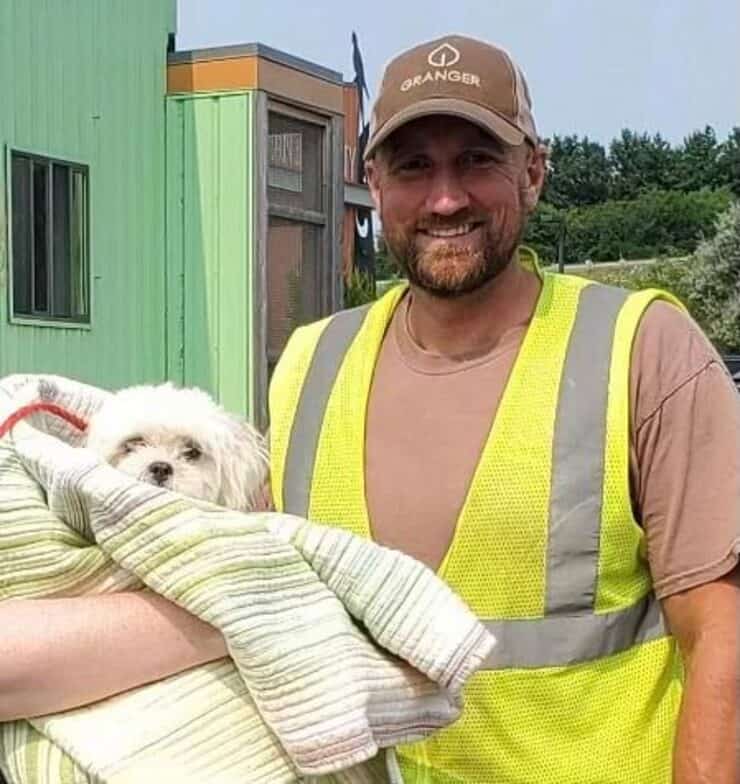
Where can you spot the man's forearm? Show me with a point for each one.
(706, 750)
(58, 654)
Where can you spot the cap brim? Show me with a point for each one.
(489, 121)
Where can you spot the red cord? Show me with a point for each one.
(32, 408)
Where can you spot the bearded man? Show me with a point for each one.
(565, 455)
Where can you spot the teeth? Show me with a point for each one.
(456, 232)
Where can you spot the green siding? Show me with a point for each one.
(210, 229)
(85, 80)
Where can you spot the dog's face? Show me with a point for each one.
(182, 440)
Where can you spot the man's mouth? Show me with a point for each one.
(452, 231)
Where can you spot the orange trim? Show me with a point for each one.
(238, 73)
(249, 73)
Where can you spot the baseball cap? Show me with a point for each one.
(458, 76)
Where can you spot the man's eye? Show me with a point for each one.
(477, 159)
(411, 165)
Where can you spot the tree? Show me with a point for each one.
(729, 161)
(656, 223)
(639, 162)
(544, 229)
(698, 162)
(579, 172)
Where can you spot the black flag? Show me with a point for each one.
(364, 257)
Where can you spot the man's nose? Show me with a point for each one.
(448, 194)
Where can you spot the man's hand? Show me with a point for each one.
(706, 622)
(58, 654)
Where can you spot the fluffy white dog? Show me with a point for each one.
(183, 440)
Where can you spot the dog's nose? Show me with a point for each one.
(160, 471)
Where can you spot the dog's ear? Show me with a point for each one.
(244, 465)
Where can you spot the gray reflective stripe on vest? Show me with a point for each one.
(304, 436)
(560, 640)
(578, 454)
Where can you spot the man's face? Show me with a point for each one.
(453, 202)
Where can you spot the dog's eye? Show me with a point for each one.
(131, 444)
(192, 453)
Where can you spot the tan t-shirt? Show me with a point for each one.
(429, 417)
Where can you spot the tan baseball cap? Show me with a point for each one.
(459, 76)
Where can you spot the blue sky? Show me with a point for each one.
(594, 67)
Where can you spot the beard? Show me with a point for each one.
(453, 269)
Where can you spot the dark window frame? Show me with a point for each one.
(50, 316)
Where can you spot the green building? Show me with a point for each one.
(163, 215)
(82, 188)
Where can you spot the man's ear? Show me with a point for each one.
(373, 172)
(534, 176)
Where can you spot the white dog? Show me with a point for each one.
(183, 440)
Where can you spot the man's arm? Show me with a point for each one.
(57, 654)
(706, 622)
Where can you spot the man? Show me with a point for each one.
(499, 425)
(561, 454)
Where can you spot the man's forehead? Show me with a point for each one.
(438, 130)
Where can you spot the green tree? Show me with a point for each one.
(656, 223)
(579, 172)
(698, 162)
(729, 161)
(543, 231)
(639, 162)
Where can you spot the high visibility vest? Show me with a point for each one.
(584, 685)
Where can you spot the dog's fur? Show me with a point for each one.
(182, 440)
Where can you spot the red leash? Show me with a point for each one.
(32, 408)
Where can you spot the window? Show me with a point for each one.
(298, 272)
(49, 239)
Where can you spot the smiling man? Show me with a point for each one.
(566, 455)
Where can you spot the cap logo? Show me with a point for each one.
(444, 56)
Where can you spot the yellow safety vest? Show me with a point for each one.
(584, 686)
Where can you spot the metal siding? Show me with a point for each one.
(259, 386)
(175, 232)
(234, 232)
(85, 81)
(210, 244)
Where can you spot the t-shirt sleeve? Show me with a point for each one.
(685, 452)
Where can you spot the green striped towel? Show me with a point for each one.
(339, 648)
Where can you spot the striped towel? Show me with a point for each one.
(338, 648)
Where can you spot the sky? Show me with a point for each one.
(593, 66)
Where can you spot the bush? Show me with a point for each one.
(707, 282)
(359, 289)
(713, 282)
(657, 223)
(543, 231)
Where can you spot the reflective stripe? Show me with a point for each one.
(578, 454)
(558, 641)
(570, 632)
(327, 358)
